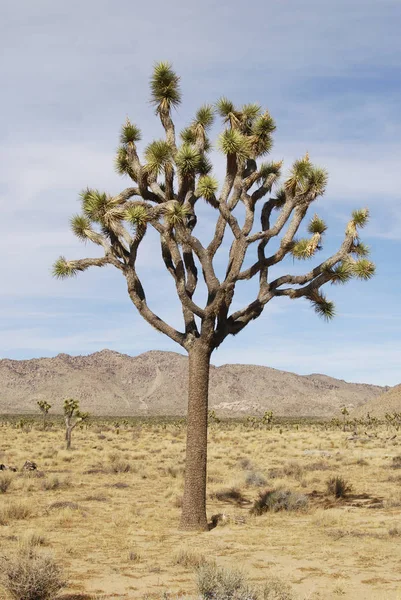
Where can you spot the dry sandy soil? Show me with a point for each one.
(118, 537)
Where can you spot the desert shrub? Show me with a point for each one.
(215, 583)
(338, 487)
(256, 479)
(6, 480)
(396, 462)
(118, 465)
(189, 559)
(31, 576)
(60, 505)
(293, 469)
(32, 539)
(14, 512)
(277, 589)
(278, 500)
(54, 483)
(232, 495)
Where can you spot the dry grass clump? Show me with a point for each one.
(215, 583)
(277, 589)
(255, 479)
(279, 500)
(396, 462)
(6, 480)
(13, 512)
(232, 495)
(338, 487)
(31, 576)
(189, 559)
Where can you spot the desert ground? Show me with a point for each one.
(108, 510)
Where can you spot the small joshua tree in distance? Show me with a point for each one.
(171, 177)
(72, 416)
(44, 408)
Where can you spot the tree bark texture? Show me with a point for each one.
(193, 515)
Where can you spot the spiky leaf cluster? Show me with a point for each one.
(204, 117)
(317, 225)
(137, 215)
(363, 269)
(305, 248)
(340, 273)
(130, 133)
(323, 307)
(176, 214)
(360, 217)
(188, 159)
(63, 268)
(261, 137)
(122, 163)
(44, 406)
(231, 141)
(80, 225)
(360, 249)
(158, 154)
(306, 179)
(280, 199)
(95, 204)
(165, 89)
(207, 188)
(225, 108)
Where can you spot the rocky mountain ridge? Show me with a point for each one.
(155, 383)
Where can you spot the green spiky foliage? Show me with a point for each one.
(363, 269)
(164, 86)
(63, 268)
(360, 249)
(207, 188)
(231, 141)
(95, 204)
(188, 159)
(176, 214)
(137, 215)
(122, 163)
(360, 217)
(305, 179)
(225, 108)
(158, 155)
(262, 130)
(340, 273)
(204, 116)
(80, 225)
(280, 198)
(130, 133)
(317, 225)
(305, 248)
(44, 406)
(323, 307)
(266, 170)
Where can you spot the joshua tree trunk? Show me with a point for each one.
(68, 437)
(194, 501)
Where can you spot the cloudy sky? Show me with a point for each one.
(72, 71)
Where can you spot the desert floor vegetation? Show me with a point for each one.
(108, 510)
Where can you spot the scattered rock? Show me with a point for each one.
(29, 466)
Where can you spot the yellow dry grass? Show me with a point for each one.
(109, 509)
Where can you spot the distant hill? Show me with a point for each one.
(389, 402)
(155, 383)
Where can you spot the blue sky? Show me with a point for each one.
(72, 71)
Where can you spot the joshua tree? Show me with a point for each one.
(72, 416)
(44, 408)
(345, 413)
(171, 178)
